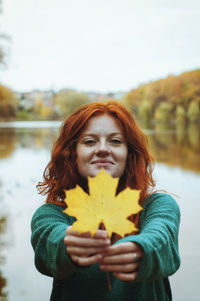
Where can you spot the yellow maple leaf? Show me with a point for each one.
(102, 206)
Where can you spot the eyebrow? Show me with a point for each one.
(110, 134)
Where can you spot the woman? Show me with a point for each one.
(105, 136)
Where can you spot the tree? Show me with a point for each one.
(68, 101)
(164, 111)
(8, 103)
(180, 114)
(41, 110)
(193, 112)
(145, 111)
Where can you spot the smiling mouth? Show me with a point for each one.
(102, 163)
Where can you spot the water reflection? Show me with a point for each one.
(178, 147)
(8, 142)
(194, 136)
(3, 281)
(35, 138)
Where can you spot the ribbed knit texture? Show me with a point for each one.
(159, 224)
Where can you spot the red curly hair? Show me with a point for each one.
(62, 173)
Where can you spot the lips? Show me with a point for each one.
(102, 162)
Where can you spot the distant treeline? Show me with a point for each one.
(39, 105)
(173, 98)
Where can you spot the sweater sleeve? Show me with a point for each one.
(48, 231)
(158, 237)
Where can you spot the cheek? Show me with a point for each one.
(80, 163)
(123, 155)
(78, 156)
(83, 155)
(124, 160)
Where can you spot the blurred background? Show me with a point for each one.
(56, 55)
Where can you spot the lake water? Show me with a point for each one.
(25, 151)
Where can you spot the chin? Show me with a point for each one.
(93, 173)
(109, 171)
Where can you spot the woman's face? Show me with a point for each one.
(102, 144)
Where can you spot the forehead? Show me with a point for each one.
(104, 124)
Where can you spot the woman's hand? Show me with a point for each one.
(123, 260)
(84, 249)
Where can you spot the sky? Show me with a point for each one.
(98, 45)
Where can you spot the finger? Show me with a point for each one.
(127, 247)
(137, 256)
(120, 259)
(126, 276)
(99, 233)
(85, 242)
(85, 261)
(84, 251)
(69, 231)
(72, 232)
(120, 268)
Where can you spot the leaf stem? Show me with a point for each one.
(108, 281)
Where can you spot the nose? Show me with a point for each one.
(102, 148)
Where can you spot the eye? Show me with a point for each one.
(89, 142)
(116, 141)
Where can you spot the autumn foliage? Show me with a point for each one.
(8, 103)
(172, 98)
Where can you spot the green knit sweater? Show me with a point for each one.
(159, 224)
